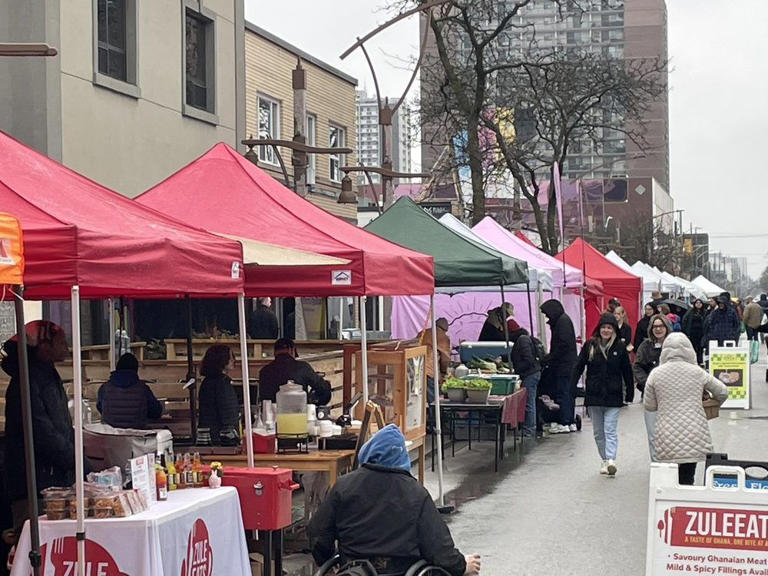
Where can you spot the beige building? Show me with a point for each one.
(139, 88)
(331, 113)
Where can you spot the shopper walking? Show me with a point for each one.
(560, 362)
(608, 385)
(641, 330)
(646, 360)
(693, 327)
(527, 366)
(674, 391)
(722, 323)
(624, 333)
(753, 317)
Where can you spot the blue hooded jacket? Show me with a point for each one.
(386, 449)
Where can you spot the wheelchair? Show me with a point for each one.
(420, 568)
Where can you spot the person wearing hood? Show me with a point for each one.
(382, 514)
(608, 386)
(54, 439)
(125, 401)
(641, 330)
(560, 362)
(493, 328)
(526, 365)
(722, 323)
(674, 392)
(693, 327)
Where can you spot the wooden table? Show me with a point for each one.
(334, 462)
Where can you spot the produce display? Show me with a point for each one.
(489, 365)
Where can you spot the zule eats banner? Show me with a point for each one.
(11, 250)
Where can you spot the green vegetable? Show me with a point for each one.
(480, 364)
(477, 384)
(454, 383)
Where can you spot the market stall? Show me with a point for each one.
(618, 283)
(460, 264)
(709, 288)
(83, 240)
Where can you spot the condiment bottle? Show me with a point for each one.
(181, 478)
(189, 476)
(197, 470)
(161, 482)
(172, 476)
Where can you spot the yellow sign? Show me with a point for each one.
(731, 367)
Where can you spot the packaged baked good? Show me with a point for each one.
(103, 512)
(134, 503)
(57, 514)
(121, 508)
(56, 502)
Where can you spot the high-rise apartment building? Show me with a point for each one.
(369, 142)
(626, 29)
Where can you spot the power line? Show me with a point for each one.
(760, 235)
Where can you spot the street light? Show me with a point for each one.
(347, 195)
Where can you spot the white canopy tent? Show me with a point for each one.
(620, 262)
(709, 287)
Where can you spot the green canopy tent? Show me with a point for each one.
(461, 264)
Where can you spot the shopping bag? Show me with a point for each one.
(754, 351)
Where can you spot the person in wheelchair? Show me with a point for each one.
(380, 513)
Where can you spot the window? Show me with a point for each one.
(311, 141)
(336, 139)
(115, 45)
(199, 61)
(269, 127)
(112, 38)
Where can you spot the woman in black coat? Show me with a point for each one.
(641, 331)
(219, 406)
(624, 332)
(693, 327)
(608, 386)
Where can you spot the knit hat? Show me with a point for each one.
(607, 319)
(512, 326)
(39, 331)
(128, 362)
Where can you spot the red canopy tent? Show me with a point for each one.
(223, 192)
(76, 232)
(617, 283)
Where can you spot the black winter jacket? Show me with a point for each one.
(54, 438)
(693, 326)
(383, 515)
(562, 348)
(219, 406)
(524, 354)
(285, 367)
(641, 331)
(609, 378)
(721, 325)
(646, 359)
(127, 402)
(625, 334)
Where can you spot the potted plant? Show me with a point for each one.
(454, 388)
(478, 390)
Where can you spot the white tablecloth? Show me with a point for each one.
(196, 532)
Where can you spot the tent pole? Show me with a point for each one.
(530, 307)
(583, 317)
(438, 417)
(191, 374)
(112, 349)
(78, 388)
(504, 322)
(29, 446)
(364, 347)
(246, 380)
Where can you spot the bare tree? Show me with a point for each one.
(485, 74)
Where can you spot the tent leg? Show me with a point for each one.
(583, 317)
(506, 328)
(364, 347)
(77, 374)
(112, 348)
(530, 307)
(246, 380)
(438, 417)
(191, 374)
(29, 446)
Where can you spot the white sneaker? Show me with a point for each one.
(611, 467)
(604, 467)
(560, 429)
(573, 428)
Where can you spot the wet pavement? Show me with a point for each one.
(548, 511)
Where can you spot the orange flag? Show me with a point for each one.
(11, 250)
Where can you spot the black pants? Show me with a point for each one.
(686, 473)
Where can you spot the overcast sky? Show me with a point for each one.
(718, 98)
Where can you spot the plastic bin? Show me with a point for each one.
(501, 384)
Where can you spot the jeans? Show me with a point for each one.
(531, 384)
(751, 334)
(605, 422)
(650, 427)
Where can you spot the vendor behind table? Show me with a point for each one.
(286, 367)
(125, 401)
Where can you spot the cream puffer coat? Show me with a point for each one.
(675, 390)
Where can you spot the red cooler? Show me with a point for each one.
(265, 496)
